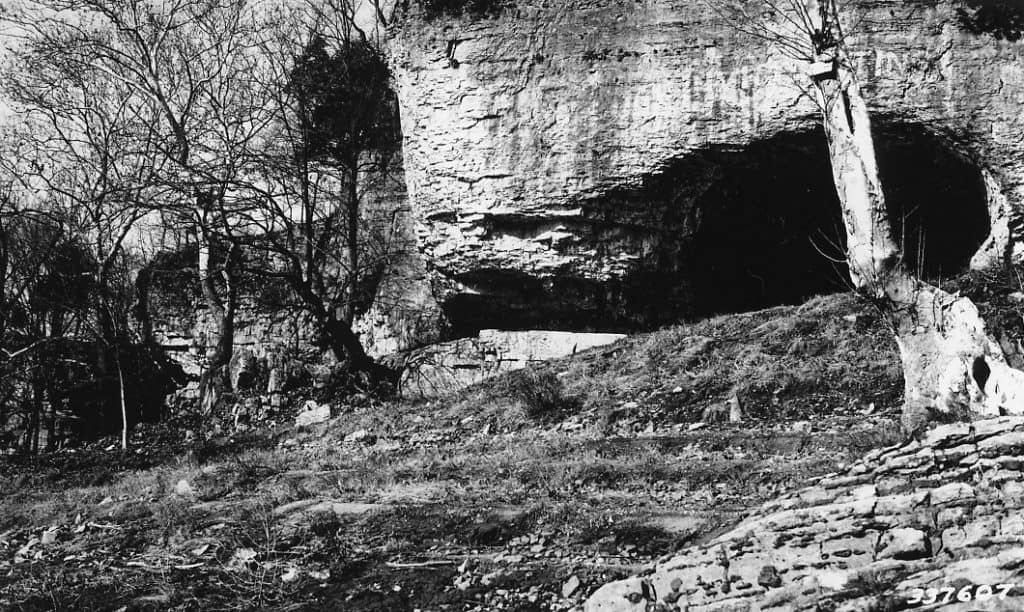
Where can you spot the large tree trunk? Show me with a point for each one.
(338, 335)
(952, 368)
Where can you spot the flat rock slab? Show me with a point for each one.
(944, 513)
(296, 510)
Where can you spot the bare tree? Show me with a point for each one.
(334, 129)
(189, 64)
(40, 278)
(951, 366)
(89, 148)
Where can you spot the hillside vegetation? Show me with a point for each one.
(524, 493)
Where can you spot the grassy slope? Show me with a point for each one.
(463, 503)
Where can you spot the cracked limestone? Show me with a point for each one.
(944, 512)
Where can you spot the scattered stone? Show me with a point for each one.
(48, 537)
(290, 574)
(570, 586)
(904, 543)
(26, 550)
(312, 414)
(241, 558)
(491, 578)
(769, 577)
(361, 435)
(184, 489)
(801, 426)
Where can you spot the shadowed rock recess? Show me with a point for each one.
(599, 164)
(946, 512)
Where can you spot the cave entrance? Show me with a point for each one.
(727, 229)
(769, 228)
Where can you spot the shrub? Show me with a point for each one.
(541, 393)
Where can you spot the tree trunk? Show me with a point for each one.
(952, 368)
(351, 305)
(124, 405)
(143, 281)
(215, 379)
(338, 335)
(345, 344)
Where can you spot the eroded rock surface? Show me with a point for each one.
(449, 366)
(944, 512)
(567, 161)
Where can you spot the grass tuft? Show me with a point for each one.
(541, 392)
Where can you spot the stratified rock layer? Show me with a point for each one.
(944, 512)
(564, 158)
(449, 366)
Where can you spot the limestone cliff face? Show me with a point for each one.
(568, 155)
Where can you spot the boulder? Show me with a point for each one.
(313, 413)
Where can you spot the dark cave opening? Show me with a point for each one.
(770, 229)
(733, 230)
(516, 301)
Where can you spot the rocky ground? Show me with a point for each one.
(929, 524)
(494, 499)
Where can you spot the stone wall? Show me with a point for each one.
(557, 154)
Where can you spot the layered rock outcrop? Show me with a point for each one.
(270, 325)
(446, 367)
(943, 513)
(578, 164)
